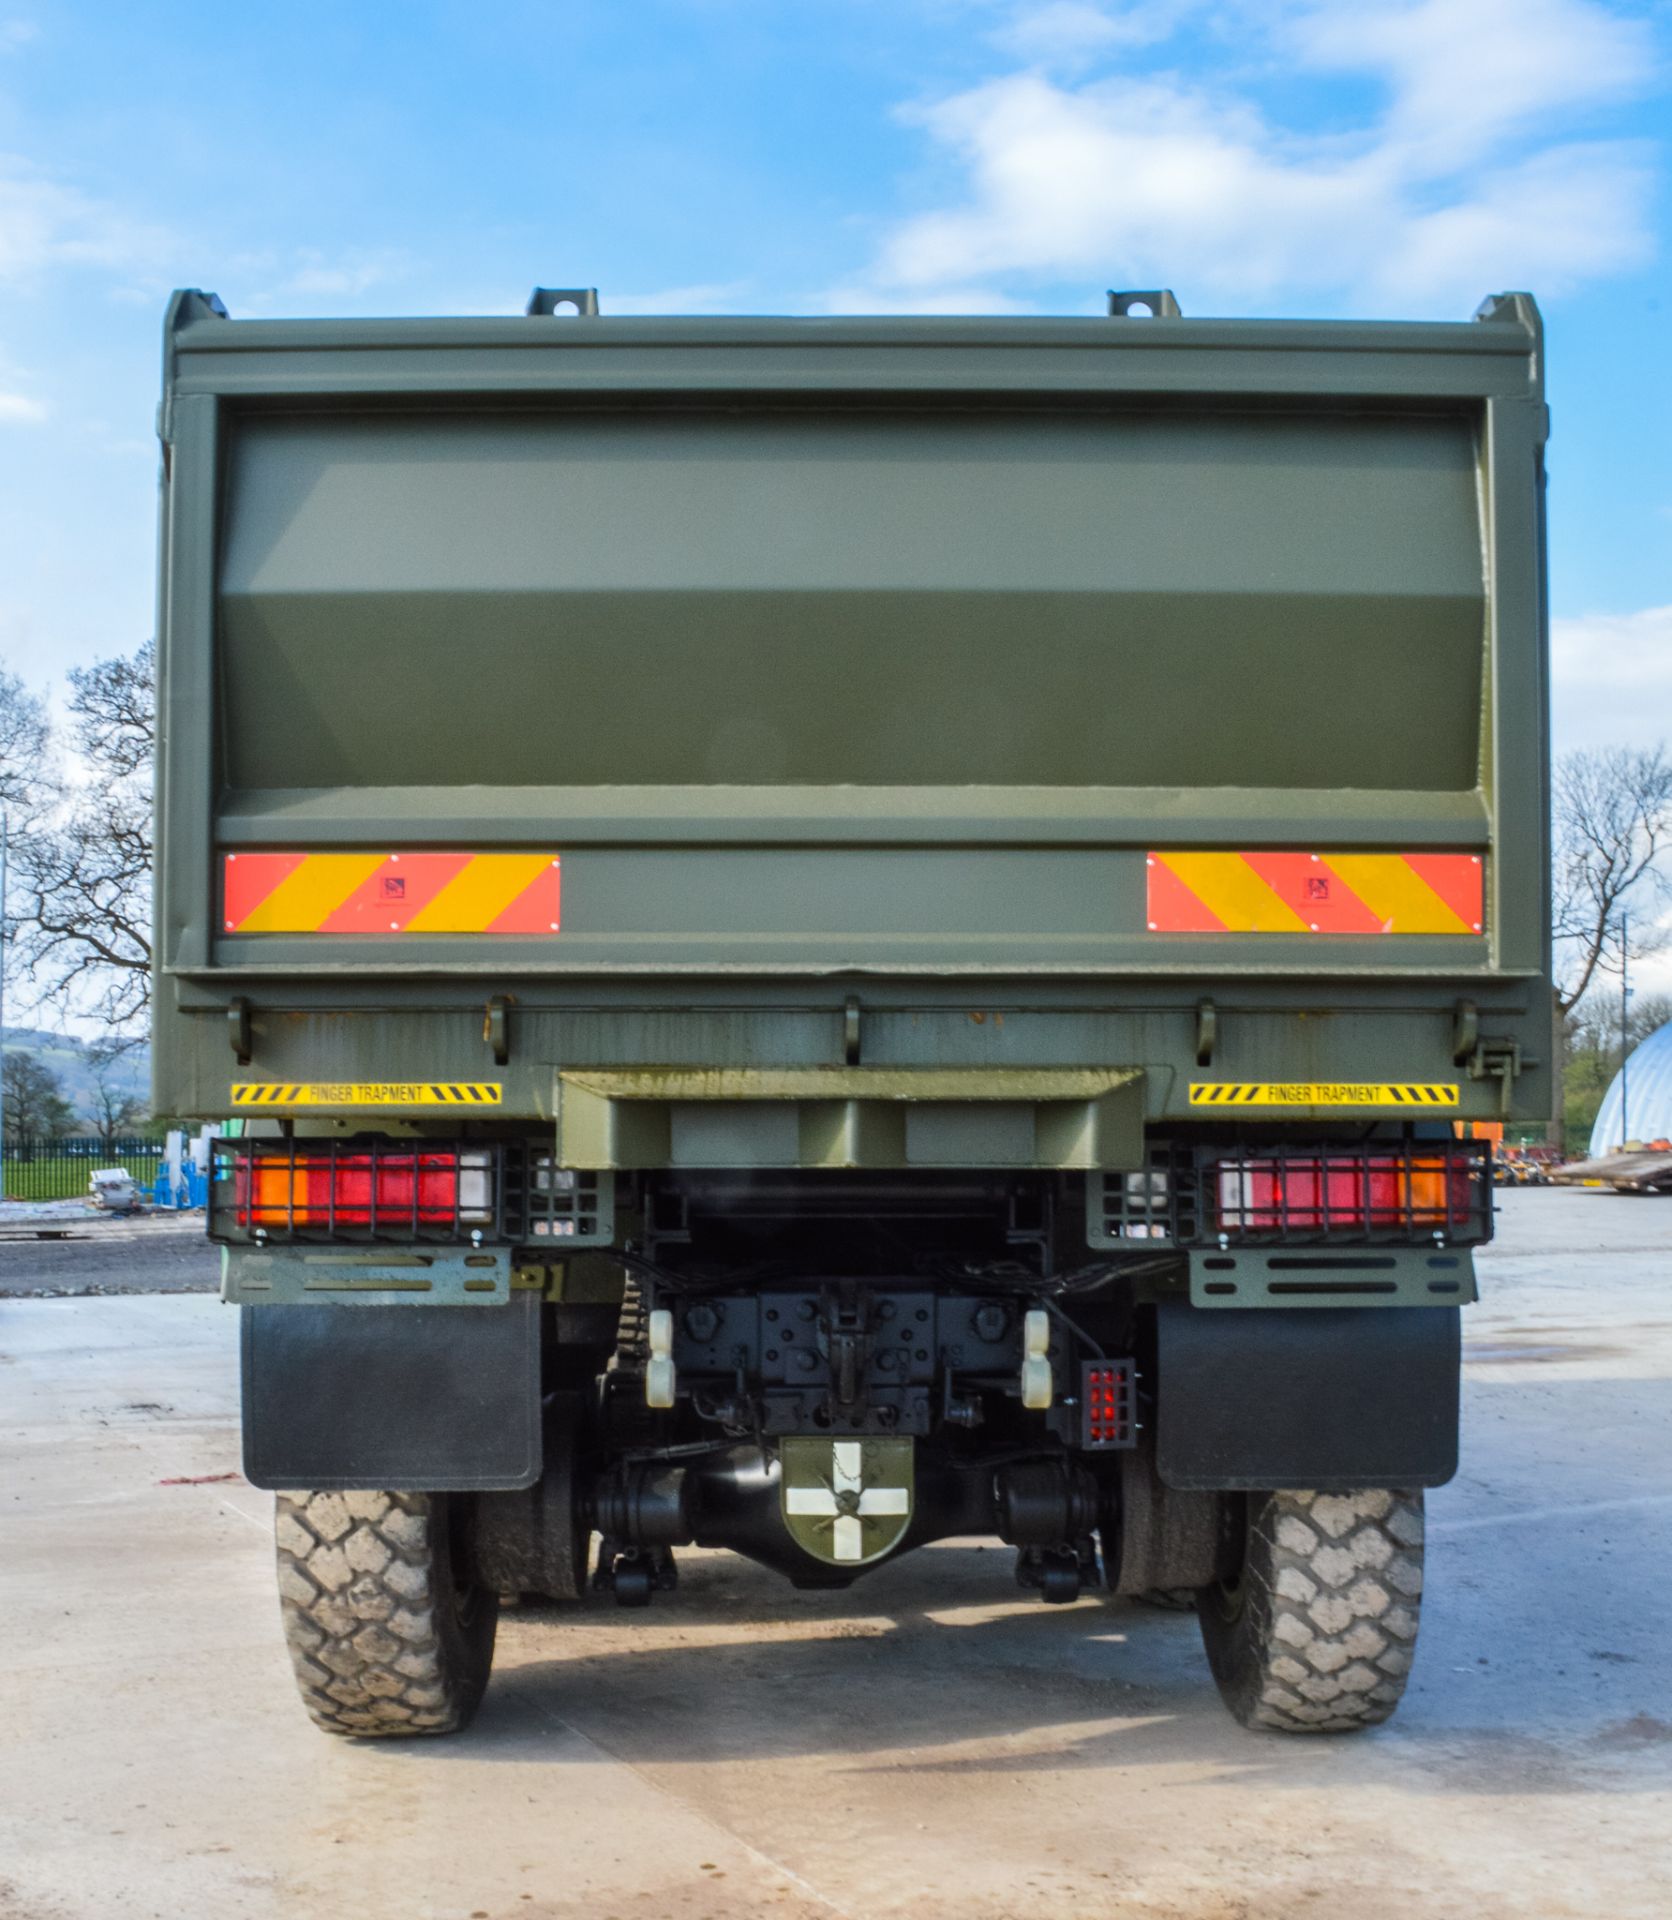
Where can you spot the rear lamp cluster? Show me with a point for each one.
(1195, 1194)
(378, 1190)
(1328, 1194)
(1106, 1403)
(1147, 1205)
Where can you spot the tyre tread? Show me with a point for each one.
(1327, 1634)
(358, 1575)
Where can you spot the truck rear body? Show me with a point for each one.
(804, 817)
(853, 657)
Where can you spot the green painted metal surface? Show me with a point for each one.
(1319, 1278)
(855, 659)
(438, 1276)
(843, 1117)
(790, 593)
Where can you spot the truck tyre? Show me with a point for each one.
(1315, 1632)
(389, 1631)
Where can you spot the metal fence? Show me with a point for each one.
(58, 1169)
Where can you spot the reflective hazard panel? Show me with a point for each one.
(1323, 1093)
(382, 893)
(1388, 893)
(365, 1093)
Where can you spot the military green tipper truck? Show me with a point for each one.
(824, 934)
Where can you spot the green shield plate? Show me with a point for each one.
(847, 1502)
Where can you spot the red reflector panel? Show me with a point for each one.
(1107, 1417)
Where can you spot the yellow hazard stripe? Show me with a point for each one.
(1323, 1093)
(312, 893)
(1234, 891)
(367, 1093)
(480, 893)
(1393, 890)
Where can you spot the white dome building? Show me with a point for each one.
(1648, 1097)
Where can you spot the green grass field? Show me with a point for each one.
(51, 1173)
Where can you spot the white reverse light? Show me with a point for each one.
(658, 1374)
(1037, 1384)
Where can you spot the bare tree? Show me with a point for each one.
(35, 1105)
(1612, 823)
(1648, 1014)
(85, 920)
(1596, 1020)
(112, 1108)
(26, 784)
(26, 772)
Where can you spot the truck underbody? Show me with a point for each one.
(824, 1371)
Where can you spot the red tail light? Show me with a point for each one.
(282, 1191)
(1420, 1193)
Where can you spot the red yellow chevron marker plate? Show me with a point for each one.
(1397, 893)
(369, 893)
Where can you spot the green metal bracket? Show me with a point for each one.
(1333, 1277)
(238, 1028)
(1155, 303)
(496, 1028)
(582, 302)
(1498, 1060)
(375, 1277)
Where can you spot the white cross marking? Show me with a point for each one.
(846, 1476)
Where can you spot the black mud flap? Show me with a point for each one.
(1334, 1398)
(412, 1398)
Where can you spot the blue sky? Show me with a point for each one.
(1380, 157)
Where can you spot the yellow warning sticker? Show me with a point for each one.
(1322, 1093)
(366, 1093)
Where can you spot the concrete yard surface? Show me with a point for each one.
(934, 1742)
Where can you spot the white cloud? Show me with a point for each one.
(712, 298)
(863, 299)
(45, 224)
(1472, 173)
(1611, 679)
(313, 283)
(274, 280)
(1067, 32)
(18, 409)
(15, 34)
(343, 279)
(1463, 74)
(1550, 222)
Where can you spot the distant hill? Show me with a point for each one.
(67, 1057)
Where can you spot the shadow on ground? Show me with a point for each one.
(939, 1665)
